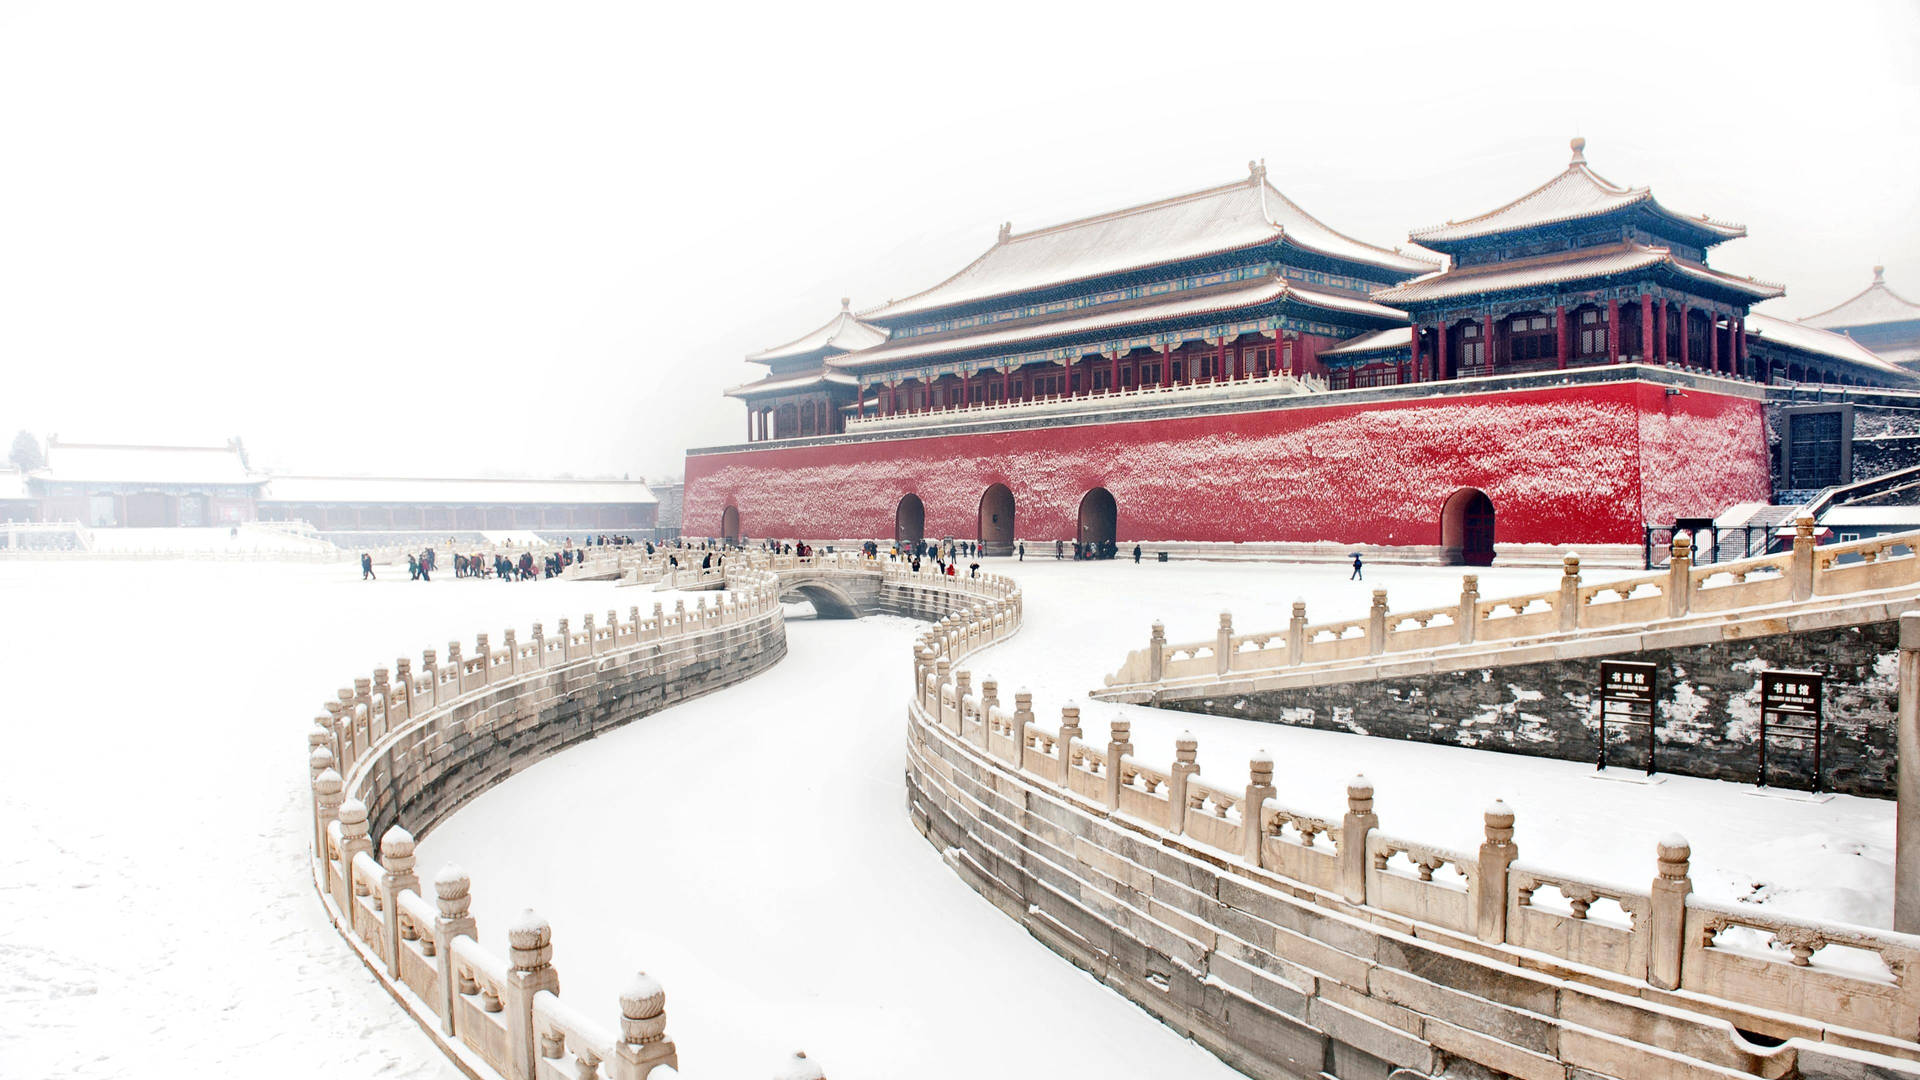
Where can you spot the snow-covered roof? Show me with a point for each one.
(111, 463)
(1559, 267)
(389, 489)
(1577, 193)
(1811, 339)
(1239, 215)
(1400, 337)
(843, 333)
(1876, 304)
(1196, 302)
(777, 384)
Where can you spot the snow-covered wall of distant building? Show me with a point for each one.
(1586, 464)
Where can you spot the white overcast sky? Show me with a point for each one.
(531, 238)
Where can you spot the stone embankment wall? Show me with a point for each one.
(1707, 717)
(1304, 945)
(1520, 674)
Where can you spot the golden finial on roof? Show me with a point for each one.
(1579, 150)
(1879, 275)
(844, 301)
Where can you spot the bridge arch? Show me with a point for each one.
(1099, 518)
(829, 601)
(1466, 527)
(996, 521)
(910, 520)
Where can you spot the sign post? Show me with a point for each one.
(1790, 711)
(1627, 689)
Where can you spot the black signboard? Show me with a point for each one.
(1790, 715)
(1627, 689)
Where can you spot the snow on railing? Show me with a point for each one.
(1679, 591)
(1831, 973)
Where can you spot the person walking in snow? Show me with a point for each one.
(1356, 568)
(426, 565)
(366, 567)
(1136, 554)
(413, 567)
(1023, 551)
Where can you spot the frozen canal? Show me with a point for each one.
(751, 848)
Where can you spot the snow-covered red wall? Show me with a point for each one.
(1563, 465)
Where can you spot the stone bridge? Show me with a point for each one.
(840, 585)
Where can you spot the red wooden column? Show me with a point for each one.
(1562, 334)
(1713, 341)
(964, 381)
(749, 425)
(1413, 354)
(1613, 330)
(1113, 384)
(1646, 327)
(1740, 347)
(1006, 386)
(1166, 364)
(1488, 323)
(1686, 330)
(1440, 351)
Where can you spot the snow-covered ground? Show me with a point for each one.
(751, 848)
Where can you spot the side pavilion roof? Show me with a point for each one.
(1559, 268)
(1877, 304)
(843, 333)
(1797, 335)
(1230, 217)
(1575, 194)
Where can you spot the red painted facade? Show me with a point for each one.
(1563, 465)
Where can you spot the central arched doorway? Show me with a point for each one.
(996, 521)
(1099, 520)
(910, 521)
(1466, 527)
(730, 524)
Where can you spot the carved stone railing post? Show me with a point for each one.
(1468, 617)
(403, 680)
(1223, 644)
(942, 678)
(1259, 790)
(1377, 624)
(530, 970)
(1906, 859)
(1069, 731)
(1360, 821)
(566, 640)
(397, 876)
(327, 798)
(457, 664)
(1802, 572)
(1297, 633)
(1497, 853)
(450, 891)
(962, 686)
(659, 620)
(643, 1045)
(483, 652)
(1680, 577)
(922, 667)
(1186, 751)
(1022, 716)
(430, 667)
(513, 652)
(353, 841)
(383, 692)
(1570, 592)
(989, 701)
(1157, 652)
(1667, 916)
(1119, 744)
(586, 626)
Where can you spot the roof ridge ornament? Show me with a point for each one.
(1879, 275)
(1257, 170)
(1006, 231)
(844, 302)
(1579, 146)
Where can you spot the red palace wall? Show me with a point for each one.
(1563, 465)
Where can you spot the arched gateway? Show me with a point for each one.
(910, 521)
(1099, 519)
(1466, 527)
(996, 521)
(730, 524)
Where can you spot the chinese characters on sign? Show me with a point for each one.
(1790, 717)
(1627, 690)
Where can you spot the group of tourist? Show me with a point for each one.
(554, 564)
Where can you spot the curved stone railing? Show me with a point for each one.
(400, 751)
(1672, 597)
(1294, 942)
(403, 749)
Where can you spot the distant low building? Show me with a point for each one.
(103, 485)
